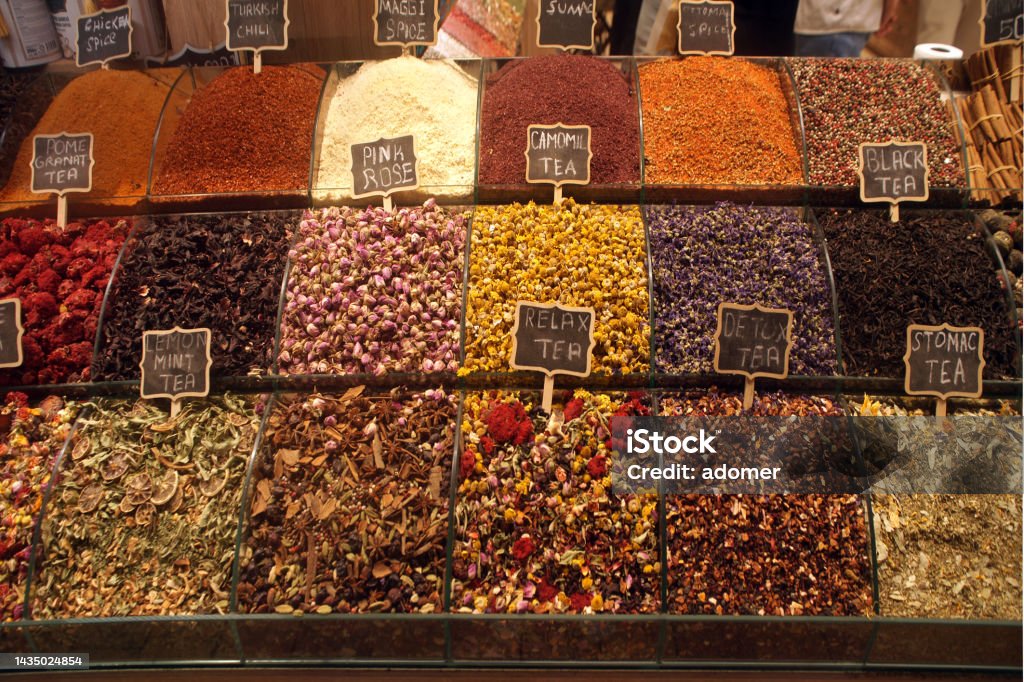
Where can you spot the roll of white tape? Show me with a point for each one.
(937, 51)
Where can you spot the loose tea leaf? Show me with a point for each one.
(219, 272)
(31, 437)
(115, 544)
(344, 517)
(538, 528)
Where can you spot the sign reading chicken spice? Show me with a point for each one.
(383, 167)
(559, 155)
(754, 342)
(103, 36)
(405, 22)
(62, 163)
(944, 361)
(11, 332)
(566, 24)
(552, 339)
(1002, 21)
(893, 172)
(175, 364)
(706, 27)
(257, 25)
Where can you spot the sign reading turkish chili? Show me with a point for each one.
(566, 24)
(1002, 21)
(405, 22)
(893, 171)
(10, 333)
(753, 341)
(62, 163)
(103, 36)
(706, 27)
(553, 339)
(944, 361)
(385, 166)
(257, 25)
(175, 363)
(558, 154)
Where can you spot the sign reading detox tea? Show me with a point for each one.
(558, 154)
(566, 24)
(553, 339)
(257, 25)
(1002, 21)
(753, 341)
(10, 333)
(103, 36)
(893, 172)
(384, 166)
(405, 22)
(706, 27)
(62, 163)
(175, 363)
(944, 361)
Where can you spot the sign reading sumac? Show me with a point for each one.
(10, 332)
(944, 361)
(405, 22)
(62, 163)
(103, 36)
(257, 25)
(175, 363)
(893, 171)
(753, 341)
(706, 27)
(552, 338)
(566, 24)
(558, 154)
(1002, 21)
(384, 166)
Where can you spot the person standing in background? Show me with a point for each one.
(840, 28)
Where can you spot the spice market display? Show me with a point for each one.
(366, 480)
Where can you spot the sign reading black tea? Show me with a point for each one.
(894, 171)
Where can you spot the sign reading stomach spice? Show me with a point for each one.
(10, 333)
(754, 342)
(558, 155)
(257, 25)
(175, 364)
(405, 22)
(103, 36)
(566, 24)
(553, 339)
(383, 167)
(893, 172)
(944, 361)
(706, 27)
(60, 164)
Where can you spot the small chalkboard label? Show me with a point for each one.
(558, 154)
(566, 24)
(10, 333)
(385, 166)
(753, 341)
(405, 22)
(103, 36)
(175, 364)
(706, 27)
(944, 361)
(257, 25)
(62, 163)
(552, 338)
(1002, 21)
(893, 172)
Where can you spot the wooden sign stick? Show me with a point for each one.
(62, 210)
(549, 392)
(558, 195)
(940, 408)
(175, 408)
(388, 204)
(257, 62)
(894, 212)
(748, 393)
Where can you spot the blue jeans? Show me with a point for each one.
(847, 44)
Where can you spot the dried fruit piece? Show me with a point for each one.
(145, 514)
(90, 498)
(165, 487)
(214, 484)
(114, 467)
(138, 488)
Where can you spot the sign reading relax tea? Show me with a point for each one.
(944, 361)
(753, 341)
(553, 339)
(706, 27)
(175, 364)
(405, 22)
(103, 36)
(566, 24)
(11, 332)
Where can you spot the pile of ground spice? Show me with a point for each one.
(569, 89)
(738, 131)
(121, 109)
(245, 132)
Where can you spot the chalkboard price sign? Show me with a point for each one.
(257, 25)
(558, 154)
(62, 163)
(553, 339)
(383, 167)
(893, 172)
(10, 333)
(103, 36)
(175, 364)
(753, 341)
(1002, 21)
(566, 24)
(405, 22)
(706, 27)
(944, 361)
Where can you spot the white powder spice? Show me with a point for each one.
(433, 100)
